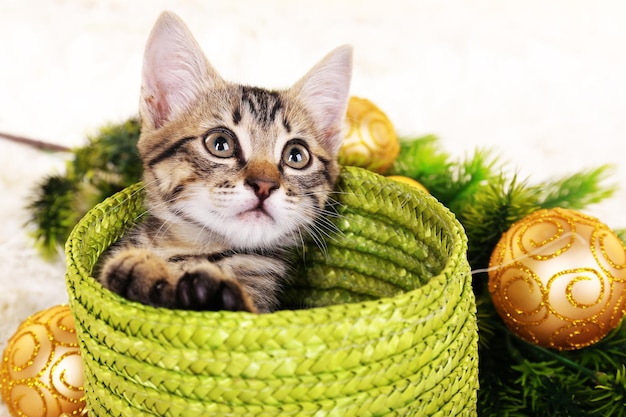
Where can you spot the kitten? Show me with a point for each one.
(233, 176)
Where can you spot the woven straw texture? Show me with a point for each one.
(392, 332)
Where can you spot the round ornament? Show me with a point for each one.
(409, 181)
(371, 141)
(42, 371)
(558, 279)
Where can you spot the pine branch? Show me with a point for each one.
(108, 163)
(586, 382)
(471, 175)
(52, 211)
(452, 183)
(578, 190)
(611, 400)
(493, 209)
(423, 160)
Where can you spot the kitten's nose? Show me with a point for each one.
(262, 187)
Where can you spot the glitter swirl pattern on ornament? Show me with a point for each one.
(42, 369)
(558, 279)
(370, 141)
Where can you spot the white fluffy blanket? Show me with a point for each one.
(541, 83)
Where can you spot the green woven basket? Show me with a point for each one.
(393, 331)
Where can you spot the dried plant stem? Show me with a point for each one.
(38, 144)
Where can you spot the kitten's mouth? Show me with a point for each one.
(256, 213)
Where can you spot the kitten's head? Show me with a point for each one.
(249, 166)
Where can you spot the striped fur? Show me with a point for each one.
(234, 176)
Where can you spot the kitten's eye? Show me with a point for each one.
(221, 144)
(296, 155)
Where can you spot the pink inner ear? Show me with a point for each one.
(324, 90)
(175, 71)
(157, 106)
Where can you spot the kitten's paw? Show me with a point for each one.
(203, 290)
(140, 276)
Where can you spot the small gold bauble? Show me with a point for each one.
(558, 279)
(409, 181)
(371, 141)
(41, 374)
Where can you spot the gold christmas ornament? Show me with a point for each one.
(371, 141)
(409, 181)
(558, 279)
(41, 374)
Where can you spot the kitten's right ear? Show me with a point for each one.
(175, 71)
(324, 90)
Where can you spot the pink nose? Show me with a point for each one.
(262, 187)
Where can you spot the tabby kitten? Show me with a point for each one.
(233, 176)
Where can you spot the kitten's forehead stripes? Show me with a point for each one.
(327, 169)
(262, 104)
(236, 116)
(286, 125)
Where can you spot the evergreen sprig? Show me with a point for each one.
(522, 379)
(578, 190)
(108, 163)
(484, 198)
(611, 400)
(53, 213)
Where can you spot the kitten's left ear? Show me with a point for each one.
(324, 92)
(175, 72)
